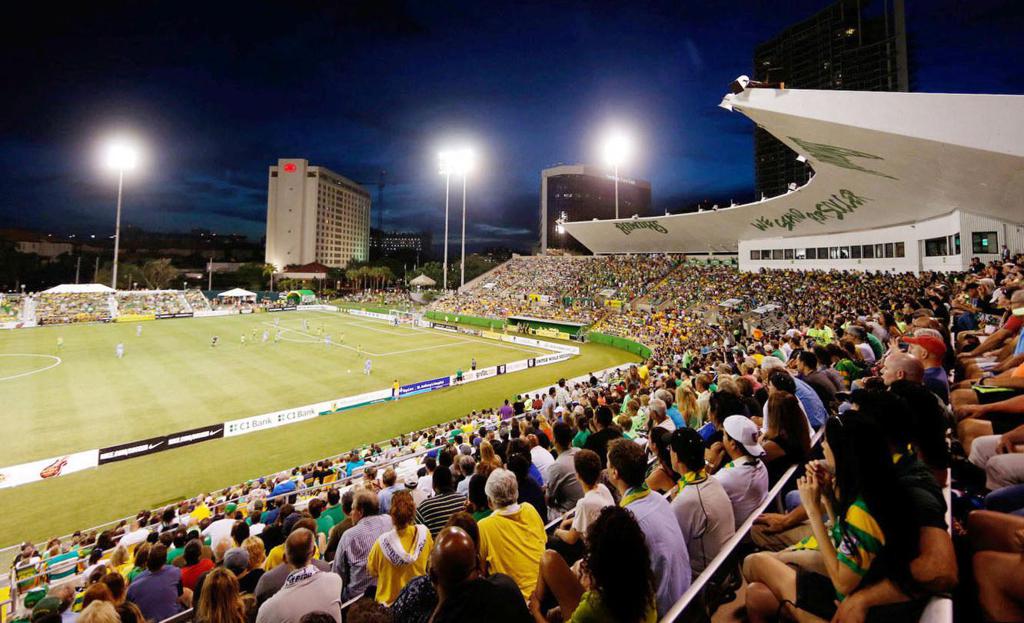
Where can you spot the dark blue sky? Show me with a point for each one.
(218, 91)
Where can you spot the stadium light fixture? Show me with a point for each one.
(446, 164)
(456, 162)
(617, 149)
(119, 155)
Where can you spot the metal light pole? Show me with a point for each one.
(117, 225)
(463, 266)
(121, 156)
(447, 186)
(616, 190)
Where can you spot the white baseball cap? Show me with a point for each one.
(743, 431)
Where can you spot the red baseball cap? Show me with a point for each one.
(929, 342)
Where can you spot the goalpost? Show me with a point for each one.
(399, 316)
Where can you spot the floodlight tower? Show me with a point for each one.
(120, 156)
(617, 149)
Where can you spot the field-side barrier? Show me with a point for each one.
(619, 342)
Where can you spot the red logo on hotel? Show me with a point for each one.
(289, 168)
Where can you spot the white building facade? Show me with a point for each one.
(315, 215)
(946, 243)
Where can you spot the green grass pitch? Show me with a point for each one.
(171, 379)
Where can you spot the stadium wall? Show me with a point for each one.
(475, 321)
(619, 342)
(943, 244)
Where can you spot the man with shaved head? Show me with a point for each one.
(463, 594)
(306, 589)
(900, 366)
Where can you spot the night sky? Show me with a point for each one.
(217, 91)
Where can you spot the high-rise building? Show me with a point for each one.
(578, 192)
(396, 243)
(315, 215)
(855, 45)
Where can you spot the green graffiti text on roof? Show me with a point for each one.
(839, 156)
(631, 226)
(835, 207)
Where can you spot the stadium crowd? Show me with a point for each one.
(559, 287)
(157, 302)
(644, 476)
(68, 308)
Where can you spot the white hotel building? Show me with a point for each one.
(315, 215)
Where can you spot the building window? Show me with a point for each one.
(869, 251)
(855, 251)
(833, 253)
(812, 254)
(844, 253)
(822, 253)
(800, 254)
(934, 247)
(900, 250)
(755, 254)
(888, 249)
(776, 254)
(788, 254)
(984, 242)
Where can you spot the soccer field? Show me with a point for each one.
(81, 395)
(171, 379)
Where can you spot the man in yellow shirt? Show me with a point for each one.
(512, 539)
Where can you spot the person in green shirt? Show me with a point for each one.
(478, 497)
(821, 332)
(334, 509)
(583, 424)
(618, 566)
(323, 522)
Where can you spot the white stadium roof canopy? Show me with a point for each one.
(236, 293)
(78, 288)
(880, 159)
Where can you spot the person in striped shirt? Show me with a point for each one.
(435, 511)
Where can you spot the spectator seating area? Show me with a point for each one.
(559, 287)
(804, 473)
(76, 307)
(64, 308)
(196, 300)
(152, 302)
(10, 307)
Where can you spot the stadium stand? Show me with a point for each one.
(559, 287)
(152, 302)
(196, 300)
(833, 411)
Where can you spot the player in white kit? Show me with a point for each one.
(119, 350)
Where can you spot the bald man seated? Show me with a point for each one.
(464, 595)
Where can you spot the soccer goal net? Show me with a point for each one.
(403, 317)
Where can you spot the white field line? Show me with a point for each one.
(56, 362)
(364, 322)
(318, 340)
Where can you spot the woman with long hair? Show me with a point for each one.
(617, 573)
(400, 554)
(856, 491)
(787, 435)
(488, 456)
(686, 402)
(220, 601)
(661, 477)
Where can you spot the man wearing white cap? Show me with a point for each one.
(744, 477)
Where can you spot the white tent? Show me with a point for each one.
(78, 288)
(423, 281)
(237, 293)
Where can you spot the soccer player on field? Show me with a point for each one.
(394, 389)
(266, 336)
(60, 343)
(243, 339)
(213, 341)
(277, 337)
(138, 330)
(367, 366)
(119, 350)
(327, 341)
